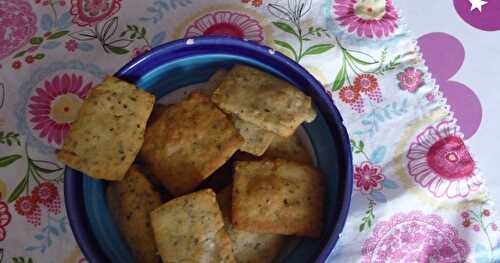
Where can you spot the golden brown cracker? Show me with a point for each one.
(188, 142)
(289, 148)
(277, 196)
(263, 100)
(256, 139)
(130, 201)
(190, 229)
(214, 81)
(249, 247)
(109, 131)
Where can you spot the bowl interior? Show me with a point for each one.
(161, 79)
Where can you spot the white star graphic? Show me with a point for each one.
(477, 4)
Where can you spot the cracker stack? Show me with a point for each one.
(275, 192)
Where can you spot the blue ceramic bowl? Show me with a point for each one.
(189, 61)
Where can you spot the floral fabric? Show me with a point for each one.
(418, 192)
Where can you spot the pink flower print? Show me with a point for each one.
(55, 106)
(139, 51)
(430, 97)
(476, 227)
(432, 241)
(91, 12)
(71, 45)
(440, 162)
(410, 79)
(5, 218)
(494, 227)
(17, 25)
(367, 18)
(226, 23)
(368, 178)
(465, 215)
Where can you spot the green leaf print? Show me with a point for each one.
(287, 46)
(318, 49)
(18, 190)
(118, 50)
(367, 220)
(9, 138)
(58, 34)
(9, 159)
(340, 79)
(285, 27)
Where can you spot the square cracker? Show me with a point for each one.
(130, 202)
(109, 131)
(256, 139)
(190, 229)
(263, 100)
(277, 196)
(188, 142)
(249, 247)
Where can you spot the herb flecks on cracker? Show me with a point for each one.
(263, 100)
(109, 131)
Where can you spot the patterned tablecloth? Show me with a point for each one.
(419, 194)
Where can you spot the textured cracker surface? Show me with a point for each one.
(130, 202)
(256, 139)
(289, 148)
(109, 131)
(249, 247)
(190, 229)
(277, 196)
(263, 100)
(188, 142)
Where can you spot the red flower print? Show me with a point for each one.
(367, 18)
(91, 12)
(255, 3)
(465, 215)
(226, 23)
(139, 51)
(368, 84)
(368, 178)
(440, 162)
(365, 83)
(466, 223)
(410, 79)
(46, 193)
(5, 218)
(486, 212)
(16, 64)
(29, 59)
(352, 97)
(55, 106)
(71, 45)
(17, 25)
(27, 206)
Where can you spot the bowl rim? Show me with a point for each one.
(73, 181)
